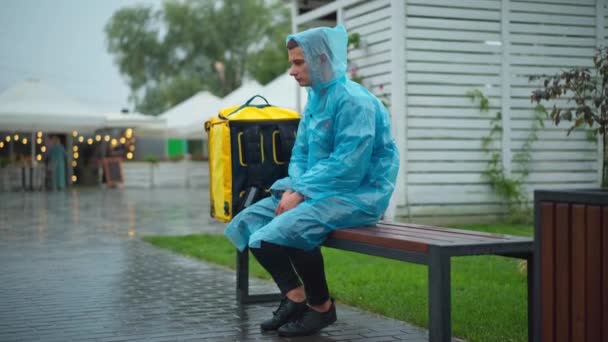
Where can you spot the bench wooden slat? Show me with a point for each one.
(562, 271)
(379, 240)
(547, 293)
(594, 273)
(416, 238)
(578, 251)
(439, 235)
(408, 234)
(452, 231)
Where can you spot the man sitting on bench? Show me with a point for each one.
(341, 174)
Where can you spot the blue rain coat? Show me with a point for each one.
(344, 160)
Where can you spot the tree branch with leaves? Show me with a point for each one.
(586, 91)
(169, 54)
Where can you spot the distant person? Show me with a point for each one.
(57, 160)
(342, 173)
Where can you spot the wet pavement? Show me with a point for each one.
(73, 268)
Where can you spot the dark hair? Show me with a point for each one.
(292, 44)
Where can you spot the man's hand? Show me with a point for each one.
(289, 200)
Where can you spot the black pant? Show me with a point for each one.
(288, 265)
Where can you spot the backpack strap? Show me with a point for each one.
(254, 154)
(287, 136)
(254, 159)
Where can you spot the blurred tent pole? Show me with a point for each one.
(33, 147)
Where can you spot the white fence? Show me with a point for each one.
(22, 177)
(453, 47)
(189, 174)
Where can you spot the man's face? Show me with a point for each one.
(298, 69)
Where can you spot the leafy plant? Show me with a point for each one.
(152, 159)
(508, 187)
(354, 43)
(354, 40)
(587, 99)
(177, 157)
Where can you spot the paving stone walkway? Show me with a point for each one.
(73, 268)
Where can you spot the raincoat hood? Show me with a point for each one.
(325, 52)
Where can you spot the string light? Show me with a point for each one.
(129, 133)
(8, 138)
(74, 163)
(39, 157)
(132, 148)
(39, 134)
(98, 137)
(16, 137)
(24, 141)
(106, 138)
(90, 141)
(43, 149)
(123, 140)
(114, 142)
(1, 144)
(74, 178)
(129, 155)
(75, 155)
(38, 141)
(74, 134)
(75, 148)
(80, 138)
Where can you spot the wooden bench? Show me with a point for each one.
(421, 244)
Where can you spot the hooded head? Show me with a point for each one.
(324, 52)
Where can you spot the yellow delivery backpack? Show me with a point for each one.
(249, 148)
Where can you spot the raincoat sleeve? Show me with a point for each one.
(297, 163)
(343, 170)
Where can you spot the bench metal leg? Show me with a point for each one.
(440, 325)
(242, 275)
(242, 282)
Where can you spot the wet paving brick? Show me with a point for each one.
(73, 268)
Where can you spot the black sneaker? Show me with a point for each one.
(309, 323)
(287, 311)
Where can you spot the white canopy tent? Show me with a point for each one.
(195, 129)
(239, 96)
(33, 105)
(146, 125)
(187, 119)
(283, 91)
(191, 113)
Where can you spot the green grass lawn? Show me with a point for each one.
(489, 296)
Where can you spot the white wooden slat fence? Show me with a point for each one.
(183, 174)
(564, 36)
(453, 47)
